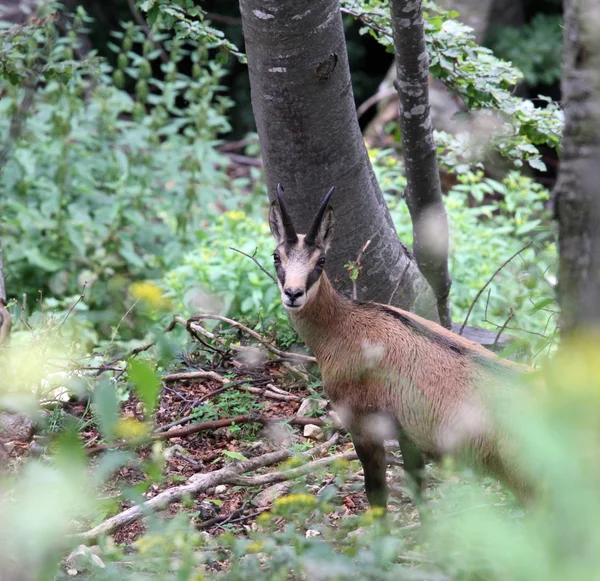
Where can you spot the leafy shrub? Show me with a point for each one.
(216, 278)
(535, 49)
(489, 222)
(91, 167)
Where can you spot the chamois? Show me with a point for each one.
(384, 368)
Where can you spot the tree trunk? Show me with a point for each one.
(423, 191)
(576, 195)
(310, 140)
(5, 320)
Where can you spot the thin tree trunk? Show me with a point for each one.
(423, 190)
(310, 139)
(5, 320)
(577, 196)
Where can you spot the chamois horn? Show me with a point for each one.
(316, 223)
(288, 226)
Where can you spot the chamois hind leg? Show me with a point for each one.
(414, 465)
(371, 454)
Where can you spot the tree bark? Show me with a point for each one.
(423, 191)
(5, 320)
(310, 140)
(576, 195)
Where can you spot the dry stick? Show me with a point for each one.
(373, 100)
(196, 375)
(213, 425)
(488, 283)
(357, 266)
(398, 283)
(194, 486)
(255, 262)
(510, 316)
(252, 333)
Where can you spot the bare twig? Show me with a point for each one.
(488, 283)
(112, 340)
(2, 286)
(357, 265)
(255, 262)
(212, 425)
(374, 99)
(190, 324)
(501, 330)
(245, 159)
(187, 375)
(79, 299)
(398, 283)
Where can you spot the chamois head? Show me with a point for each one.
(300, 258)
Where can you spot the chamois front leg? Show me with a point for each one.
(414, 465)
(371, 454)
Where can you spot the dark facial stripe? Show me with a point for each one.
(313, 277)
(280, 274)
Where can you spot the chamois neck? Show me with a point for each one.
(320, 317)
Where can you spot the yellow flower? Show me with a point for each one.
(235, 215)
(150, 293)
(131, 429)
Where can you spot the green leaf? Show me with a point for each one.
(536, 163)
(106, 408)
(146, 383)
(234, 455)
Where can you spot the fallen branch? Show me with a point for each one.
(191, 323)
(195, 485)
(186, 375)
(212, 425)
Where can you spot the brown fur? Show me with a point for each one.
(389, 372)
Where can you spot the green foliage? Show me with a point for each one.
(228, 404)
(90, 167)
(482, 80)
(216, 278)
(189, 22)
(490, 221)
(34, 49)
(535, 48)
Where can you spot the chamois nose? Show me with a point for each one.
(293, 293)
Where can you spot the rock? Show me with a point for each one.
(313, 432)
(310, 405)
(16, 427)
(335, 418)
(311, 533)
(172, 450)
(140, 408)
(269, 495)
(220, 490)
(222, 433)
(36, 450)
(83, 559)
(205, 536)
(207, 510)
(357, 533)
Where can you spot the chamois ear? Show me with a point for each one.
(276, 222)
(325, 233)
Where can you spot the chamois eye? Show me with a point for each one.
(321, 261)
(276, 258)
